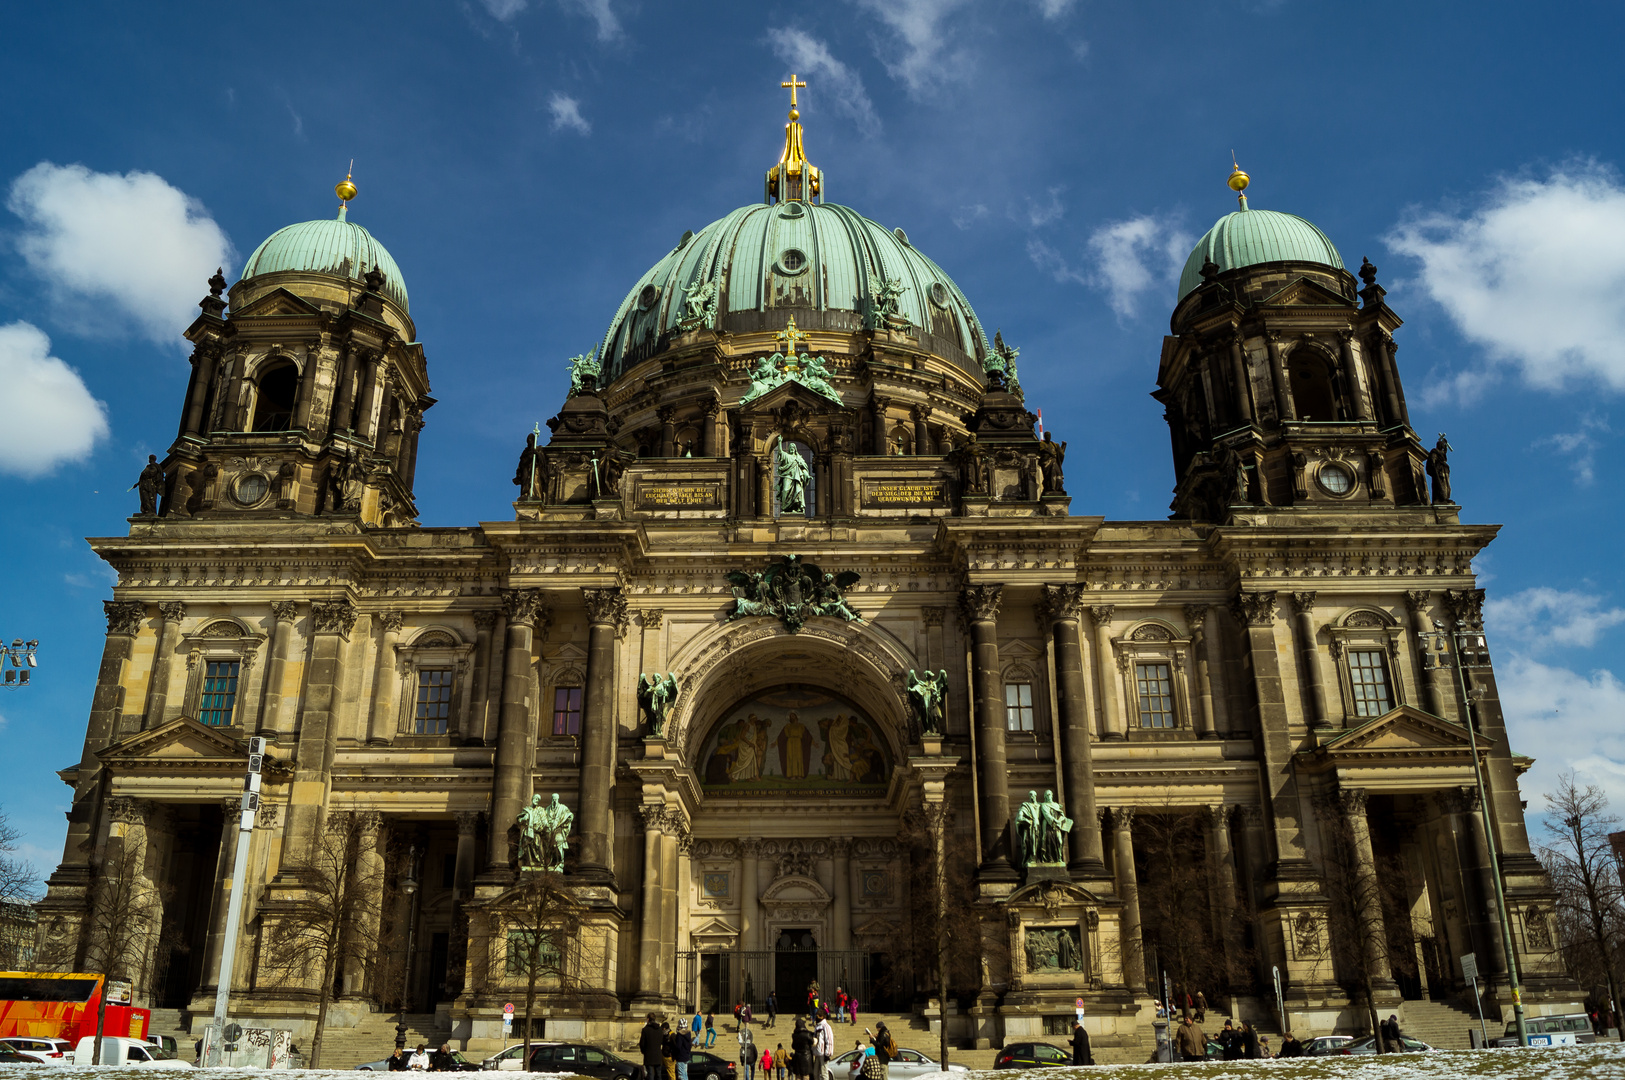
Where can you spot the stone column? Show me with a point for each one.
(479, 723)
(1386, 348)
(1224, 876)
(169, 635)
(668, 430)
(385, 682)
(1281, 378)
(1367, 900)
(673, 835)
(511, 775)
(369, 875)
(1358, 390)
(307, 389)
(764, 485)
(981, 607)
(1064, 606)
(462, 882)
(710, 445)
(750, 897)
(414, 427)
(220, 894)
(207, 363)
(922, 436)
(1244, 390)
(877, 413)
(371, 416)
(606, 617)
(1256, 611)
(841, 930)
(277, 715)
(1472, 823)
(1436, 689)
(1128, 891)
(313, 758)
(1309, 653)
(1196, 619)
(1111, 715)
(653, 819)
(343, 398)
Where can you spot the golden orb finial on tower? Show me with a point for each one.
(794, 177)
(345, 189)
(1238, 181)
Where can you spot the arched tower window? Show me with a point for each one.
(278, 386)
(1312, 389)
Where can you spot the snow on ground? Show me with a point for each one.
(1598, 1061)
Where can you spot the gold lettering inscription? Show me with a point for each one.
(913, 494)
(678, 496)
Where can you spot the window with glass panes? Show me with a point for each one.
(434, 700)
(1018, 706)
(1368, 678)
(1156, 689)
(219, 692)
(567, 710)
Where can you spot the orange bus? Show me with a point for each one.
(51, 1005)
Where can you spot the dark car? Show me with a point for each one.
(1030, 1055)
(581, 1059)
(704, 1066)
(11, 1057)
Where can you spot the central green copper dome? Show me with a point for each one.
(817, 262)
(1253, 237)
(331, 246)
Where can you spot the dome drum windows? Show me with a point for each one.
(1336, 479)
(1315, 393)
(647, 297)
(791, 262)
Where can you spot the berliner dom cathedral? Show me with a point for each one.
(801, 659)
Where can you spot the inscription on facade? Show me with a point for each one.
(675, 496)
(909, 493)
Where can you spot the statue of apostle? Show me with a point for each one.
(544, 833)
(1053, 827)
(150, 486)
(1029, 826)
(793, 477)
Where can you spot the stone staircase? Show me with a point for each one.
(1439, 1024)
(173, 1022)
(372, 1037)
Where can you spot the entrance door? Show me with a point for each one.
(439, 947)
(795, 967)
(716, 990)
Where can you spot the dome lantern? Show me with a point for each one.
(794, 177)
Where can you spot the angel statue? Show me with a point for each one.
(749, 598)
(584, 372)
(929, 693)
(829, 597)
(657, 695)
(700, 304)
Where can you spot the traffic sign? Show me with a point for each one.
(1469, 967)
(508, 1008)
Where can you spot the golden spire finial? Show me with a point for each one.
(1238, 180)
(794, 178)
(345, 189)
(793, 86)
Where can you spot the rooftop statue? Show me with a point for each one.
(150, 485)
(792, 591)
(770, 372)
(584, 372)
(888, 313)
(700, 305)
(544, 833)
(1000, 364)
(1439, 469)
(657, 696)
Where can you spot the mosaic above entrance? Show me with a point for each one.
(795, 739)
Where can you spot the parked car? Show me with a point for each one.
(1564, 1030)
(510, 1060)
(1031, 1055)
(11, 1057)
(908, 1065)
(463, 1064)
(38, 1049)
(1322, 1045)
(581, 1059)
(707, 1066)
(167, 1042)
(121, 1051)
(1368, 1045)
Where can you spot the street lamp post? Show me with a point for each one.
(1469, 651)
(410, 888)
(21, 655)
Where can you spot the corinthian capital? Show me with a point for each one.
(1256, 608)
(333, 616)
(124, 616)
(1102, 615)
(522, 605)
(172, 610)
(606, 607)
(981, 602)
(1305, 602)
(1063, 602)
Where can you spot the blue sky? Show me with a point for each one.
(525, 160)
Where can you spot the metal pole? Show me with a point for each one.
(1483, 1032)
(239, 885)
(1489, 838)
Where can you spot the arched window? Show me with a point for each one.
(278, 386)
(1312, 391)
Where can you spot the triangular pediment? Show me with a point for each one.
(1405, 728)
(808, 400)
(1306, 293)
(715, 928)
(181, 739)
(276, 302)
(876, 927)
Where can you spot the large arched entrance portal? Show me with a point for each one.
(797, 746)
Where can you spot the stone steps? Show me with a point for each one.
(1439, 1024)
(371, 1038)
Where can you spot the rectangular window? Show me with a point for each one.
(434, 700)
(567, 710)
(219, 692)
(1156, 695)
(1368, 675)
(1018, 706)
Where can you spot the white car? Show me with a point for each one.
(510, 1060)
(127, 1052)
(45, 1051)
(908, 1065)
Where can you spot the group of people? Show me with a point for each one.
(666, 1053)
(422, 1059)
(812, 1042)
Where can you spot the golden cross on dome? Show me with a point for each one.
(790, 336)
(793, 86)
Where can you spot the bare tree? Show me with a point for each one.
(1590, 901)
(325, 929)
(542, 920)
(19, 882)
(1177, 885)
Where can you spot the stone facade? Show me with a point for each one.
(1255, 665)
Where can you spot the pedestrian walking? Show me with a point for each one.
(747, 1061)
(1249, 1041)
(1229, 1041)
(682, 1051)
(885, 1049)
(772, 1007)
(696, 1025)
(823, 1047)
(767, 1062)
(801, 1049)
(780, 1065)
(710, 1030)
(668, 1050)
(1201, 1007)
(1080, 1045)
(654, 1065)
(1189, 1041)
(1390, 1034)
(852, 1009)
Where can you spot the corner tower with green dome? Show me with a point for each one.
(1280, 383)
(308, 391)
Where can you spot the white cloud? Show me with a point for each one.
(1565, 720)
(47, 416)
(1054, 9)
(131, 241)
(566, 112)
(1052, 262)
(966, 216)
(503, 10)
(1533, 274)
(1134, 257)
(832, 80)
(1050, 209)
(920, 56)
(1540, 618)
(599, 11)
(1582, 445)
